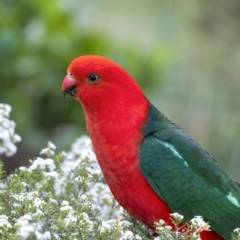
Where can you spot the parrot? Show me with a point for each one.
(152, 167)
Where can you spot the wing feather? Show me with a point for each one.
(187, 177)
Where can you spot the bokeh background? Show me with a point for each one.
(184, 54)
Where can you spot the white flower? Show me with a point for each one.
(128, 235)
(70, 218)
(24, 226)
(49, 151)
(43, 164)
(4, 223)
(85, 221)
(161, 222)
(51, 146)
(197, 222)
(38, 203)
(8, 138)
(65, 206)
(53, 201)
(43, 236)
(5, 110)
(177, 217)
(237, 233)
(52, 174)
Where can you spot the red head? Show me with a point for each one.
(100, 84)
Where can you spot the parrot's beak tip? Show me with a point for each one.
(72, 91)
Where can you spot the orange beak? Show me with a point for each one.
(69, 86)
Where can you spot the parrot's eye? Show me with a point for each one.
(93, 78)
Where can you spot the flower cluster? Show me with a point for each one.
(61, 195)
(187, 231)
(8, 138)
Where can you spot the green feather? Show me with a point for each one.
(187, 177)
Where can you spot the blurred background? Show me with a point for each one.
(184, 54)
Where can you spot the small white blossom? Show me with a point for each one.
(43, 236)
(4, 223)
(85, 221)
(52, 174)
(237, 233)
(25, 196)
(197, 222)
(25, 228)
(38, 203)
(5, 110)
(128, 235)
(176, 216)
(49, 151)
(53, 201)
(161, 222)
(65, 206)
(16, 205)
(64, 154)
(167, 227)
(65, 203)
(23, 168)
(70, 218)
(43, 164)
(31, 195)
(124, 223)
(106, 226)
(51, 146)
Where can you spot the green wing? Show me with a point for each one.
(187, 177)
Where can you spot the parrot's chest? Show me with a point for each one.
(118, 155)
(129, 186)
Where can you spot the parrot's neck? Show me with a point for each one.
(116, 135)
